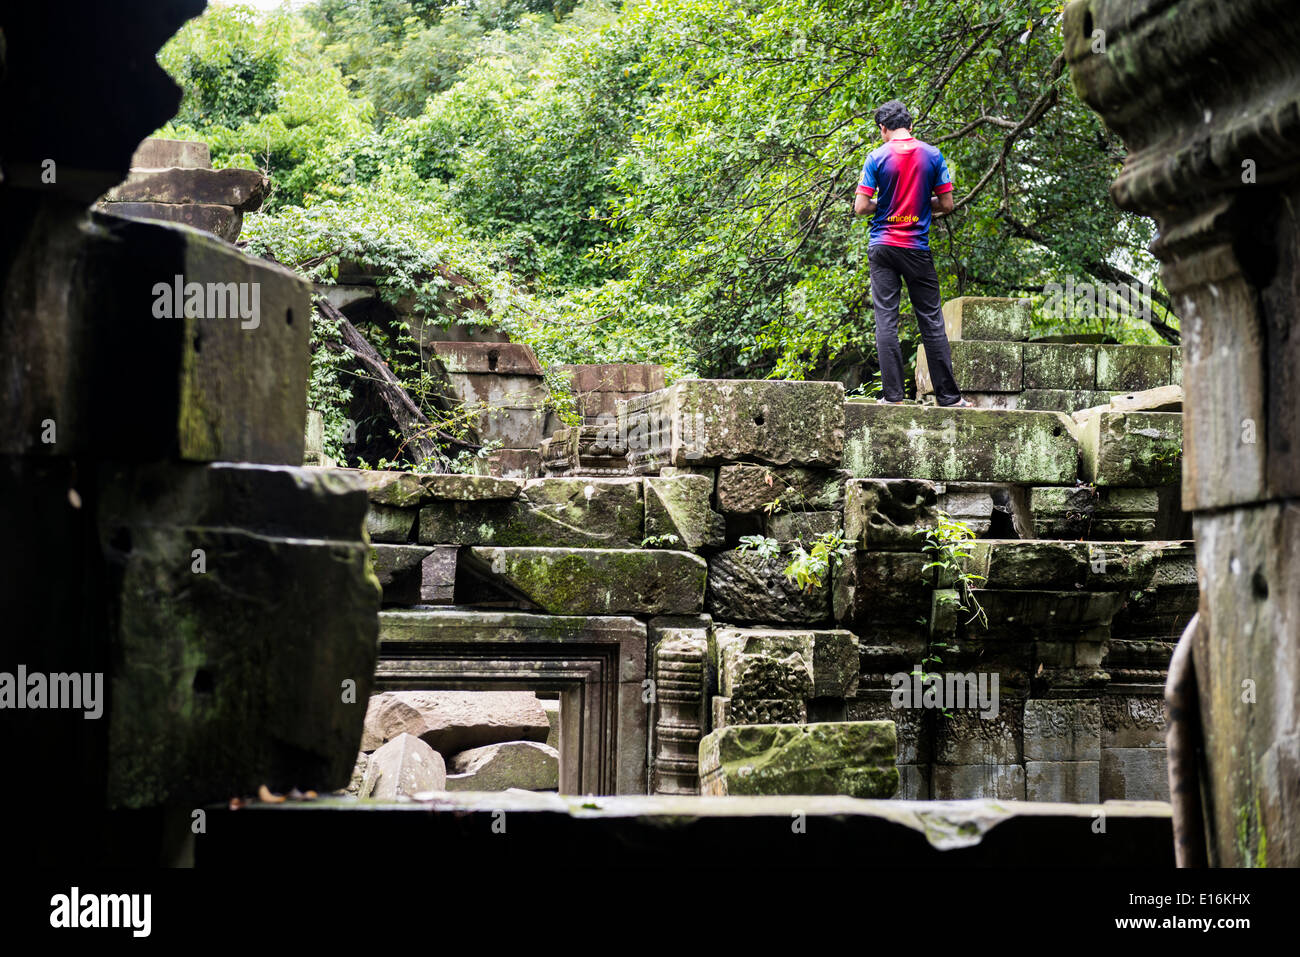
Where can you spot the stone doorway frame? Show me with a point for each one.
(597, 664)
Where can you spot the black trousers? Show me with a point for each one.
(891, 266)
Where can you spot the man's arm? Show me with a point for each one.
(864, 204)
(941, 205)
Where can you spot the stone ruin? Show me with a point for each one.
(1082, 567)
(124, 489)
(173, 181)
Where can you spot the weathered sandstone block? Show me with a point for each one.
(745, 587)
(1132, 448)
(978, 366)
(958, 445)
(403, 766)
(856, 758)
(244, 189)
(1058, 365)
(889, 514)
(454, 721)
(979, 317)
(679, 505)
(590, 581)
(712, 421)
(512, 764)
(551, 512)
(1133, 368)
(745, 489)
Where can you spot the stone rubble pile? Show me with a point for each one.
(422, 741)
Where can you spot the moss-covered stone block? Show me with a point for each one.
(746, 587)
(396, 489)
(890, 514)
(959, 445)
(856, 758)
(829, 655)
(711, 421)
(1130, 368)
(1136, 449)
(979, 366)
(802, 526)
(746, 489)
(881, 589)
(1060, 400)
(1058, 365)
(469, 488)
(387, 523)
(550, 512)
(679, 505)
(979, 317)
(591, 581)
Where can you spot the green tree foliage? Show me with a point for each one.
(666, 181)
(259, 92)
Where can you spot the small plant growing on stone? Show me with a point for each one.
(809, 568)
(948, 545)
(660, 541)
(766, 548)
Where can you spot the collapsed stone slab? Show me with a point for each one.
(590, 581)
(454, 721)
(853, 758)
(242, 189)
(512, 764)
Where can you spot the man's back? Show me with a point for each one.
(901, 175)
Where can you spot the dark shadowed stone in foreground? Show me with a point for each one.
(599, 581)
(405, 765)
(745, 587)
(855, 758)
(224, 222)
(232, 655)
(668, 830)
(219, 389)
(511, 764)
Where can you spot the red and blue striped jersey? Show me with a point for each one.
(904, 171)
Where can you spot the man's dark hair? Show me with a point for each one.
(894, 116)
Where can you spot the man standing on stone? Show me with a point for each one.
(903, 182)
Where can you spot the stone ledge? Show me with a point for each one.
(684, 830)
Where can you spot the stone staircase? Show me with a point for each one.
(1082, 569)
